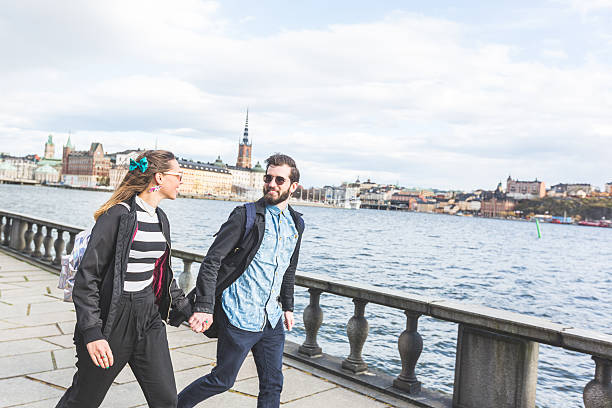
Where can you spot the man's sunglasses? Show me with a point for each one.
(174, 173)
(279, 180)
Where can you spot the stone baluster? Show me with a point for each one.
(59, 246)
(313, 318)
(598, 392)
(70, 244)
(357, 332)
(18, 229)
(38, 239)
(410, 346)
(28, 236)
(47, 243)
(185, 278)
(7, 231)
(2, 219)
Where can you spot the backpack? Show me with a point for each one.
(70, 263)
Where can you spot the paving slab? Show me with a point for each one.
(43, 318)
(208, 350)
(125, 395)
(341, 398)
(28, 332)
(180, 362)
(66, 340)
(67, 327)
(39, 308)
(297, 384)
(184, 338)
(17, 347)
(65, 358)
(29, 392)
(47, 403)
(14, 366)
(6, 325)
(61, 378)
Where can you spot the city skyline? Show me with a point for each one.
(429, 96)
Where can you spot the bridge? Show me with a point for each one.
(496, 351)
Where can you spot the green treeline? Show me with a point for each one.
(580, 208)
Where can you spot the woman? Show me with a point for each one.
(124, 289)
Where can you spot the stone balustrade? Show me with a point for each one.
(497, 351)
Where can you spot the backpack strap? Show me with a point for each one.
(250, 219)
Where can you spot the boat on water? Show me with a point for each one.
(602, 223)
(354, 203)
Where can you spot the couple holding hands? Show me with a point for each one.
(125, 293)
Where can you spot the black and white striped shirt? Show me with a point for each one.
(148, 246)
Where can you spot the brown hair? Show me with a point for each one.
(278, 159)
(136, 181)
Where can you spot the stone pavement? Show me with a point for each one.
(37, 355)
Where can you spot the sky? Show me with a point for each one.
(440, 95)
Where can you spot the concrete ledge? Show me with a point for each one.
(529, 327)
(586, 341)
(372, 382)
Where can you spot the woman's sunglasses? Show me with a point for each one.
(279, 180)
(174, 173)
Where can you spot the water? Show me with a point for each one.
(565, 277)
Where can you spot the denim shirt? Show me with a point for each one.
(253, 298)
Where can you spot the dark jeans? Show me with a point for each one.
(138, 338)
(232, 348)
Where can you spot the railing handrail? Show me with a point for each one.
(43, 221)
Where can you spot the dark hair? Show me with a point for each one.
(278, 159)
(136, 181)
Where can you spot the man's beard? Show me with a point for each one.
(271, 201)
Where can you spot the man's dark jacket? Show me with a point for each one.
(99, 281)
(230, 254)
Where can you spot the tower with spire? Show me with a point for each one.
(49, 148)
(65, 152)
(245, 147)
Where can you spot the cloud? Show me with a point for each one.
(409, 97)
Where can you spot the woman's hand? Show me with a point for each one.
(100, 353)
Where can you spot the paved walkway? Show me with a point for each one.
(37, 355)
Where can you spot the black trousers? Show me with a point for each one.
(138, 339)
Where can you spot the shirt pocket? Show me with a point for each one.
(289, 238)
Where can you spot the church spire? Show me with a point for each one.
(245, 136)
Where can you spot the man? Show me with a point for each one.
(245, 286)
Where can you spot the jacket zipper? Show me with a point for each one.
(171, 277)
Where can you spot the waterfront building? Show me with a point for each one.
(608, 188)
(496, 203)
(46, 174)
(201, 179)
(580, 190)
(520, 190)
(424, 205)
(8, 172)
(24, 166)
(89, 168)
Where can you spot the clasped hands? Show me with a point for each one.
(200, 322)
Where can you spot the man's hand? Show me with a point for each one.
(100, 353)
(200, 322)
(289, 322)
